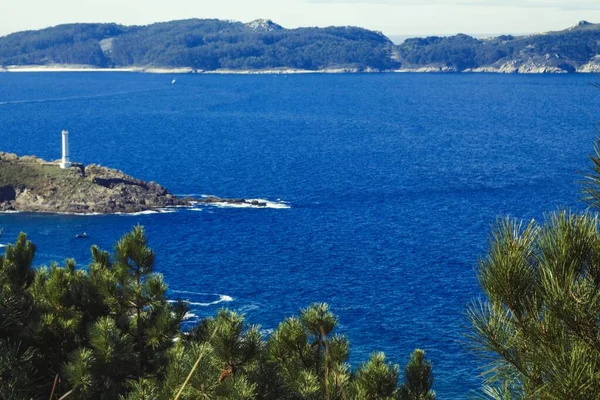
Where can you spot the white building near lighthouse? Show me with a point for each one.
(65, 162)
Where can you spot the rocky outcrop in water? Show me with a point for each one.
(32, 184)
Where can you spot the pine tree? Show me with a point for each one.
(138, 298)
(228, 352)
(133, 327)
(109, 332)
(418, 378)
(539, 324)
(311, 362)
(18, 373)
(376, 379)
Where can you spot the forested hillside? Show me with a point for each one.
(571, 50)
(210, 44)
(200, 44)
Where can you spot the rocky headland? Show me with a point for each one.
(32, 184)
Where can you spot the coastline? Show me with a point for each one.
(182, 70)
(586, 69)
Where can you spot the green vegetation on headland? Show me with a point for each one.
(209, 45)
(31, 184)
(576, 49)
(200, 44)
(109, 332)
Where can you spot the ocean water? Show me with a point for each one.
(383, 188)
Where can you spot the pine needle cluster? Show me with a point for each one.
(539, 323)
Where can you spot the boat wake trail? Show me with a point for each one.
(69, 98)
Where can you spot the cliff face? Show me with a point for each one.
(32, 184)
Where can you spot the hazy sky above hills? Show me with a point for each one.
(393, 17)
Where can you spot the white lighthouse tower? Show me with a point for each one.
(66, 162)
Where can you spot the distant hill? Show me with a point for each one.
(576, 49)
(210, 44)
(204, 44)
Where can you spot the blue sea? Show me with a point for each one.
(384, 188)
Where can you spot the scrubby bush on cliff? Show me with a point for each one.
(109, 332)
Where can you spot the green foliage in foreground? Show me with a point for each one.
(110, 333)
(539, 326)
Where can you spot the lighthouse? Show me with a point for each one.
(66, 162)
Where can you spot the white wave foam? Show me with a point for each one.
(194, 293)
(49, 213)
(188, 316)
(223, 298)
(248, 204)
(3, 245)
(278, 204)
(76, 214)
(249, 307)
(146, 212)
(149, 212)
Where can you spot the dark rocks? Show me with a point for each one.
(214, 199)
(7, 193)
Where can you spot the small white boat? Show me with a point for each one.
(173, 81)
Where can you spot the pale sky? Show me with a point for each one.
(393, 17)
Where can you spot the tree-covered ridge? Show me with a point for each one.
(203, 44)
(565, 50)
(211, 44)
(110, 332)
(64, 44)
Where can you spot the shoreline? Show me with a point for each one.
(285, 71)
(183, 70)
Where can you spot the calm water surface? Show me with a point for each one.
(392, 183)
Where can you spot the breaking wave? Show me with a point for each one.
(221, 298)
(189, 316)
(263, 204)
(149, 212)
